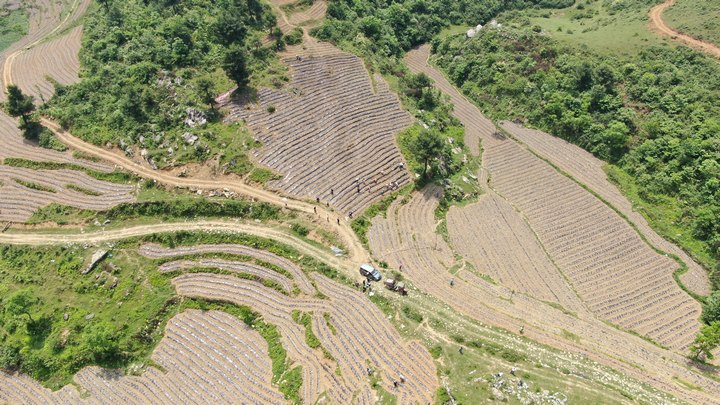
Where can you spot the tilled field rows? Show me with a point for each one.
(313, 14)
(57, 59)
(208, 356)
(613, 270)
(14, 146)
(497, 241)
(587, 169)
(407, 237)
(299, 278)
(45, 18)
(352, 322)
(18, 201)
(334, 137)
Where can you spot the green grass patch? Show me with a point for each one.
(664, 214)
(13, 26)
(618, 27)
(34, 186)
(361, 224)
(113, 177)
(305, 319)
(329, 324)
(83, 190)
(51, 349)
(698, 18)
(687, 384)
(262, 175)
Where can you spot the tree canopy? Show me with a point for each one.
(19, 104)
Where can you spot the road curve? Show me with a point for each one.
(658, 25)
(356, 251)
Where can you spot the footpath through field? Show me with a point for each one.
(658, 25)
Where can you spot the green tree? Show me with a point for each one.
(20, 303)
(706, 341)
(711, 309)
(100, 340)
(235, 65)
(206, 90)
(18, 104)
(427, 146)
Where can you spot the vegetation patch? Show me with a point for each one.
(82, 190)
(13, 26)
(34, 186)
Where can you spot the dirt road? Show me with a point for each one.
(658, 25)
(95, 237)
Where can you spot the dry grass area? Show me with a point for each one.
(348, 326)
(207, 356)
(56, 59)
(331, 134)
(587, 169)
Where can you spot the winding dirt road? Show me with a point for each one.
(658, 25)
(355, 250)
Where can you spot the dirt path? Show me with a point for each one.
(658, 25)
(334, 222)
(262, 230)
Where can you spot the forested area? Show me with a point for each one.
(390, 27)
(655, 115)
(151, 69)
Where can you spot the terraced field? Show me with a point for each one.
(14, 146)
(206, 356)
(56, 59)
(613, 270)
(343, 330)
(314, 14)
(332, 134)
(499, 243)
(27, 63)
(587, 169)
(23, 191)
(45, 17)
